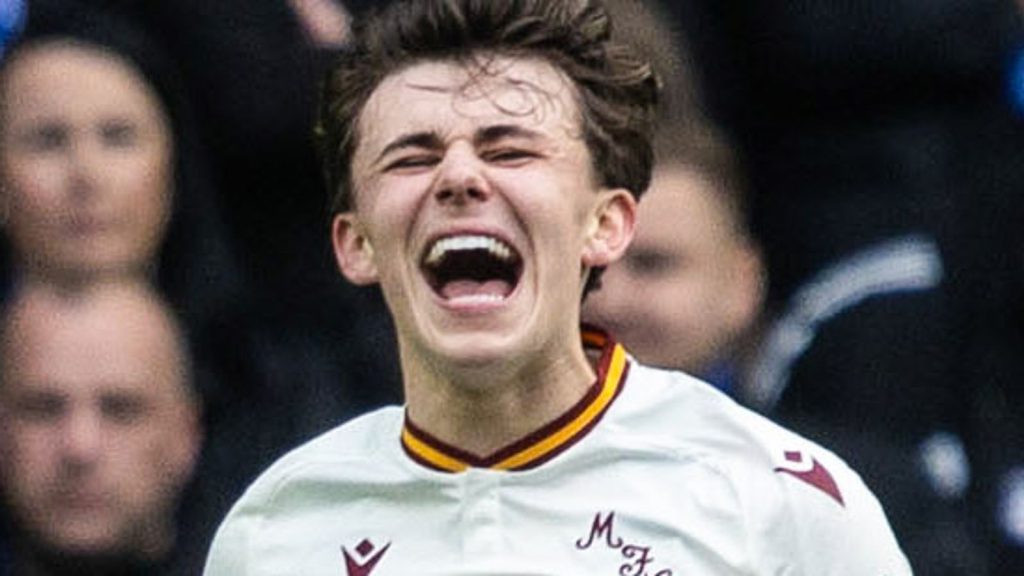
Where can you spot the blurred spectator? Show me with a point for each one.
(99, 429)
(86, 165)
(100, 168)
(881, 148)
(688, 293)
(104, 176)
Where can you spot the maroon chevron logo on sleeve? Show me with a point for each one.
(815, 474)
(367, 558)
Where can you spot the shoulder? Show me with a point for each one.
(803, 500)
(356, 443)
(698, 418)
(295, 484)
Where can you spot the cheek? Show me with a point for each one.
(32, 231)
(144, 178)
(388, 213)
(150, 457)
(669, 302)
(619, 289)
(149, 214)
(30, 459)
(35, 196)
(144, 191)
(137, 452)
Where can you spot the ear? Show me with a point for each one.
(352, 250)
(182, 453)
(748, 285)
(611, 228)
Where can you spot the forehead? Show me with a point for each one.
(448, 96)
(57, 75)
(92, 351)
(682, 203)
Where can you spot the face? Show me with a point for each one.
(688, 285)
(85, 162)
(97, 431)
(476, 209)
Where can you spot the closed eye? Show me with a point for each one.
(40, 407)
(412, 162)
(119, 133)
(509, 156)
(123, 408)
(651, 263)
(45, 138)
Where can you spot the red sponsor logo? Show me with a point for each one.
(816, 475)
(368, 556)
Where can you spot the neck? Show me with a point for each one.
(484, 408)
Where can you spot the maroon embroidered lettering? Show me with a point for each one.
(602, 529)
(367, 561)
(641, 556)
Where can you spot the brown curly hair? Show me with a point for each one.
(617, 89)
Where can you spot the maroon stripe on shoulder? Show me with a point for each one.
(607, 350)
(582, 432)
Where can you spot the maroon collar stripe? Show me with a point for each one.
(542, 445)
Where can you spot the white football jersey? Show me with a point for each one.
(653, 473)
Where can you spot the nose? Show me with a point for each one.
(461, 177)
(87, 167)
(82, 437)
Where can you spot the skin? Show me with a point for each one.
(85, 163)
(325, 22)
(99, 431)
(501, 156)
(690, 284)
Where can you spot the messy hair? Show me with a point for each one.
(616, 89)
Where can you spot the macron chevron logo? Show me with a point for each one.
(815, 474)
(366, 558)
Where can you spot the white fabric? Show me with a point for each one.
(676, 479)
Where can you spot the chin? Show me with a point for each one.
(78, 539)
(476, 348)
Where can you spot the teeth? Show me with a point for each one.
(496, 247)
(478, 298)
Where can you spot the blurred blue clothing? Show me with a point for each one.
(1015, 81)
(12, 15)
(722, 375)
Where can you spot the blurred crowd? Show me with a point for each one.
(834, 235)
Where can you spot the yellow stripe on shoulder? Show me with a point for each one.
(612, 381)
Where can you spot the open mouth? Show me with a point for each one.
(477, 267)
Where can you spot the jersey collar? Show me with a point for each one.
(546, 442)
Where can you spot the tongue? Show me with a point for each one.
(462, 288)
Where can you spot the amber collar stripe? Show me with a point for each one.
(545, 443)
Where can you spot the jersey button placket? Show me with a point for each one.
(481, 514)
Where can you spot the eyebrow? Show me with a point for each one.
(433, 141)
(497, 132)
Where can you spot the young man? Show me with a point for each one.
(485, 159)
